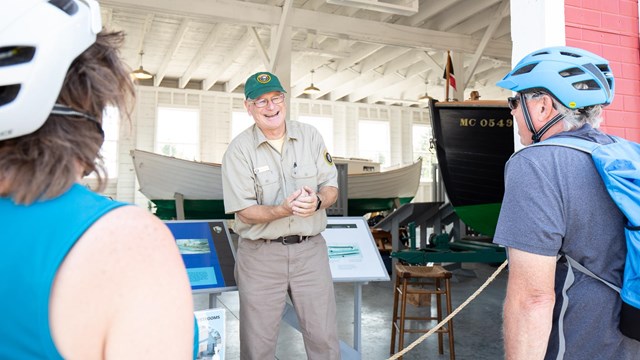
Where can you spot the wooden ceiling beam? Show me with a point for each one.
(200, 55)
(171, 52)
(497, 19)
(228, 60)
(252, 14)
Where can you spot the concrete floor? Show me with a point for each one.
(477, 328)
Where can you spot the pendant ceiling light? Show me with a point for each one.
(425, 98)
(140, 73)
(310, 90)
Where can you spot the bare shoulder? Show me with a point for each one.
(131, 239)
(128, 266)
(131, 222)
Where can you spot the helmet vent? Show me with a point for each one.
(604, 68)
(525, 69)
(600, 76)
(540, 53)
(571, 72)
(8, 93)
(13, 55)
(68, 6)
(572, 54)
(586, 85)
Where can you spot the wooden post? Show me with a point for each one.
(447, 69)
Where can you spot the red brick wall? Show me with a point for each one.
(609, 28)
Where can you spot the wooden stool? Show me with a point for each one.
(421, 280)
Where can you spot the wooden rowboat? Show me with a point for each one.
(199, 185)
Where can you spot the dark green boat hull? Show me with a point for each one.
(193, 209)
(474, 140)
(482, 218)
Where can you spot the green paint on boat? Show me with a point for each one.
(482, 218)
(193, 209)
(359, 207)
(214, 209)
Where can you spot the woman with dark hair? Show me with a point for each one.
(84, 277)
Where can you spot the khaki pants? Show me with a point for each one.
(264, 273)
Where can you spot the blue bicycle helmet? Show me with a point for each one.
(575, 77)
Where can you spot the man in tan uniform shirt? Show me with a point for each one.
(278, 178)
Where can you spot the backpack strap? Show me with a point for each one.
(568, 281)
(574, 264)
(571, 142)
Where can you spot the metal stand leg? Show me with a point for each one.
(357, 321)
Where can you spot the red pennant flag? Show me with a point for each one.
(449, 69)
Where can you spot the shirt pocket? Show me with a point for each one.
(306, 176)
(267, 188)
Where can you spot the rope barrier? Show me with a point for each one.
(453, 313)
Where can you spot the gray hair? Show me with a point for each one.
(573, 118)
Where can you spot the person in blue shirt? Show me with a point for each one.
(83, 277)
(556, 205)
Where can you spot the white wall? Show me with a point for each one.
(216, 110)
(535, 24)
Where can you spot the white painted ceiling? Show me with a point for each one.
(357, 54)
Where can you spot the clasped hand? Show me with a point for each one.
(302, 202)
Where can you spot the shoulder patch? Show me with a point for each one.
(328, 158)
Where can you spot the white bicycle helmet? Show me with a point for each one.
(39, 40)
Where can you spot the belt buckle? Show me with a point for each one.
(297, 241)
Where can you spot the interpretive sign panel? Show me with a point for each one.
(353, 254)
(211, 331)
(207, 252)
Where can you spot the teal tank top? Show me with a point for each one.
(35, 240)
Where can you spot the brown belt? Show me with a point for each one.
(289, 240)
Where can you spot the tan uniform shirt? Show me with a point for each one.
(254, 173)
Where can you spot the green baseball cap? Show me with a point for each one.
(261, 83)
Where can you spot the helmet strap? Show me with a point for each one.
(537, 135)
(59, 109)
(527, 118)
(554, 120)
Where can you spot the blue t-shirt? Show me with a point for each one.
(35, 240)
(555, 202)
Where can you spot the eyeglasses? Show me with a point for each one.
(513, 102)
(260, 103)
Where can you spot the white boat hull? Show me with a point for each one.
(162, 177)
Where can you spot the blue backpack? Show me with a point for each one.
(619, 166)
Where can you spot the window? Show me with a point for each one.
(324, 126)
(240, 121)
(177, 133)
(421, 148)
(373, 141)
(109, 149)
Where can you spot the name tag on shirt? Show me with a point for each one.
(261, 169)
